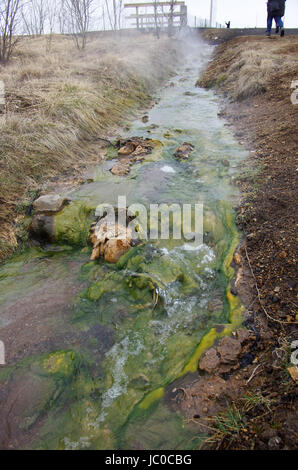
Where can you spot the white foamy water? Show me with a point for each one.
(168, 169)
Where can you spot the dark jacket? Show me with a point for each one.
(276, 7)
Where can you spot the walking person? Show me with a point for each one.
(276, 10)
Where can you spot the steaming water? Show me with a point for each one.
(119, 347)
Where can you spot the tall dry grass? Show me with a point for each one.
(59, 102)
(245, 66)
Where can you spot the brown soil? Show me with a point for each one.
(266, 273)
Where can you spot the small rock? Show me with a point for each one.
(251, 235)
(190, 93)
(115, 248)
(42, 228)
(215, 305)
(237, 259)
(243, 335)
(274, 443)
(121, 168)
(225, 162)
(229, 350)
(50, 203)
(184, 150)
(293, 371)
(135, 146)
(141, 382)
(268, 433)
(127, 149)
(110, 240)
(234, 290)
(209, 361)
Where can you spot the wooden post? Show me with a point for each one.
(211, 13)
(137, 13)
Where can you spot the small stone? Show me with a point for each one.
(141, 381)
(50, 203)
(127, 149)
(184, 150)
(229, 350)
(274, 443)
(42, 228)
(114, 249)
(121, 168)
(237, 259)
(243, 335)
(293, 371)
(110, 240)
(190, 93)
(268, 433)
(225, 162)
(209, 361)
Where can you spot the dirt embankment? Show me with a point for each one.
(60, 102)
(253, 76)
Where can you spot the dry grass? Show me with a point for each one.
(59, 102)
(245, 67)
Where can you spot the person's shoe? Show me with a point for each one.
(277, 30)
(268, 34)
(282, 32)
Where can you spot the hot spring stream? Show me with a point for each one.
(90, 354)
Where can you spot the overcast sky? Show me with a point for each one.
(242, 13)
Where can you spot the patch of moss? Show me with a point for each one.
(71, 226)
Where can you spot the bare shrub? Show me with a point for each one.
(9, 16)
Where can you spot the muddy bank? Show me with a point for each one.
(258, 385)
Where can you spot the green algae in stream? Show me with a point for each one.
(72, 225)
(159, 335)
(41, 386)
(158, 427)
(235, 315)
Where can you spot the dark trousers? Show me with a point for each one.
(278, 22)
